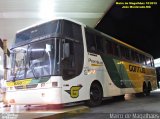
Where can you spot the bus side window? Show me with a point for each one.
(142, 59)
(72, 30)
(122, 51)
(127, 53)
(137, 57)
(148, 61)
(99, 42)
(105, 46)
(109, 47)
(133, 55)
(115, 48)
(152, 62)
(91, 44)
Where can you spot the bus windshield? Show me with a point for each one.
(50, 48)
(33, 60)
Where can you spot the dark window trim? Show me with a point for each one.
(129, 58)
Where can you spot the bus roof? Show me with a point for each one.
(63, 18)
(43, 22)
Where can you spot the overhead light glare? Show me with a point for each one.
(46, 9)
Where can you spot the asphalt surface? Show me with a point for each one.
(131, 107)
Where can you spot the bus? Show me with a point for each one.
(63, 61)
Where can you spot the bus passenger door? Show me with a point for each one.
(71, 65)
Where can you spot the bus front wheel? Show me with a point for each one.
(96, 95)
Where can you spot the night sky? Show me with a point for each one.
(137, 27)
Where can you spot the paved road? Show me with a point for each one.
(131, 108)
(40, 111)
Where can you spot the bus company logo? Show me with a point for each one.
(137, 69)
(95, 62)
(74, 91)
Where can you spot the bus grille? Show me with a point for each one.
(26, 86)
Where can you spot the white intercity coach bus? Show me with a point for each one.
(63, 61)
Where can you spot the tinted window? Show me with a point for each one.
(99, 42)
(109, 47)
(115, 49)
(48, 28)
(148, 61)
(73, 64)
(152, 62)
(91, 43)
(135, 56)
(142, 59)
(72, 30)
(122, 50)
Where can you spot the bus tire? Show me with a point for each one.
(139, 95)
(96, 94)
(145, 89)
(149, 89)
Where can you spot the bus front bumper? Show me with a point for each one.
(35, 96)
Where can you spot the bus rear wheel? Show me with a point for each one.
(145, 90)
(149, 89)
(95, 95)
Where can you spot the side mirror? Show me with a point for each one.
(66, 50)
